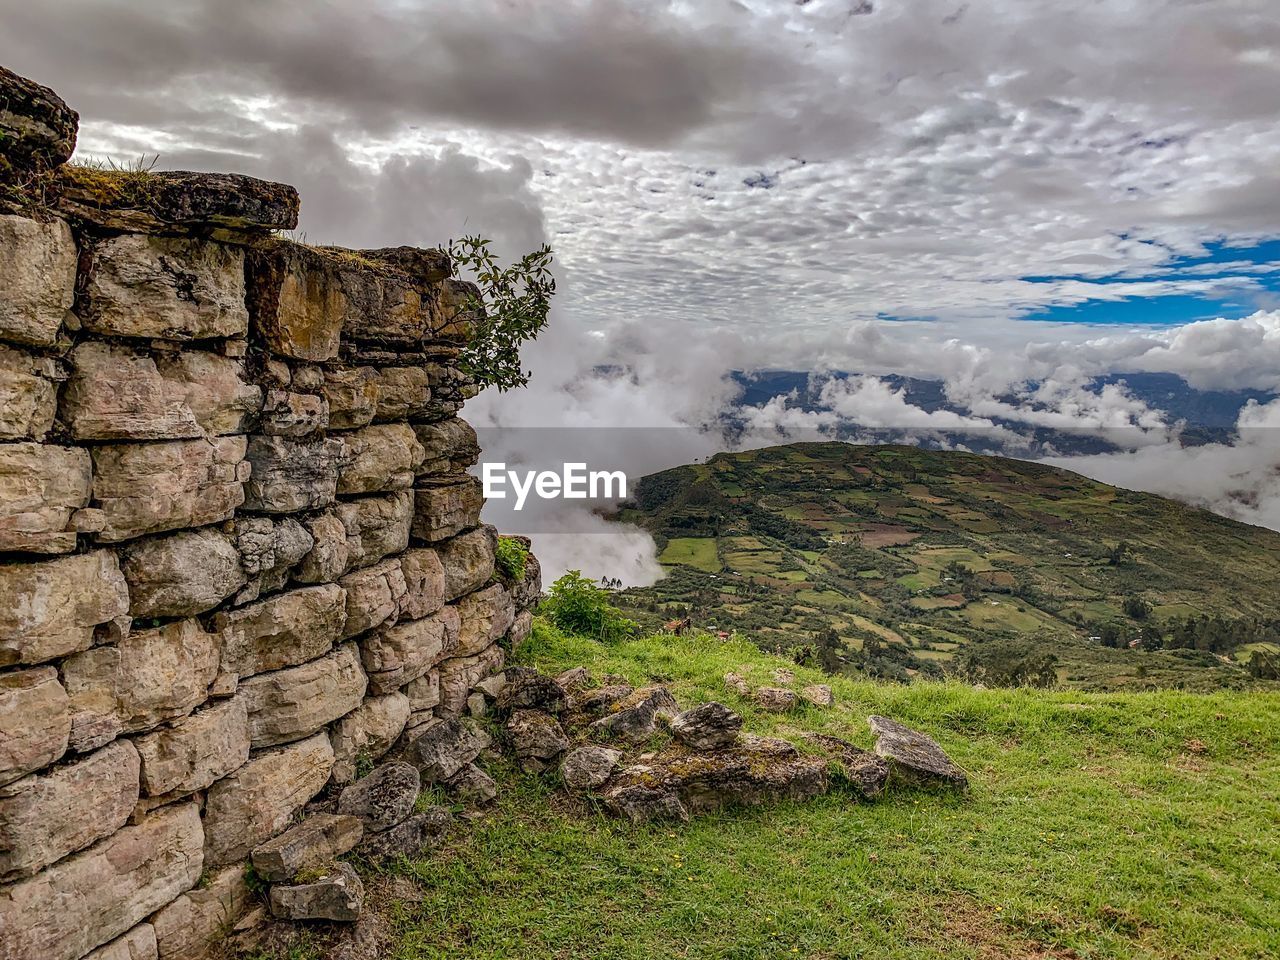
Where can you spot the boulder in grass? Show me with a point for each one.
(536, 739)
(863, 771)
(915, 757)
(636, 718)
(412, 837)
(711, 726)
(775, 699)
(588, 767)
(384, 797)
(819, 694)
(337, 895)
(472, 785)
(527, 689)
(445, 748)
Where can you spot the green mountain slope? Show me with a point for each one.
(898, 561)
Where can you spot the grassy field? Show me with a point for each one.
(1098, 825)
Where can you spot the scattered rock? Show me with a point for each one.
(311, 844)
(473, 785)
(536, 738)
(862, 770)
(782, 676)
(819, 694)
(636, 719)
(589, 767)
(383, 798)
(410, 837)
(574, 679)
(477, 705)
(492, 686)
(915, 757)
(640, 804)
(600, 700)
(337, 896)
(737, 684)
(775, 699)
(711, 726)
(446, 748)
(527, 689)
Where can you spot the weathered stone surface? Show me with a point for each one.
(521, 628)
(528, 591)
(269, 550)
(38, 263)
(293, 703)
(573, 680)
(526, 689)
(459, 674)
(313, 843)
(182, 574)
(424, 579)
(402, 393)
(352, 395)
(329, 556)
(146, 678)
(411, 837)
(915, 757)
(214, 389)
(198, 922)
(41, 488)
(486, 616)
(589, 767)
(94, 896)
(449, 446)
(468, 560)
(195, 751)
(367, 732)
(599, 701)
(35, 720)
(374, 596)
(28, 394)
(282, 631)
(819, 694)
(490, 687)
(641, 804)
(291, 475)
(711, 726)
(477, 705)
(154, 487)
(357, 534)
(737, 683)
(536, 738)
(37, 128)
(863, 771)
(635, 719)
(775, 699)
(138, 944)
(395, 655)
(117, 393)
(384, 797)
(45, 816)
(289, 414)
(378, 458)
(472, 785)
(446, 748)
(339, 895)
(445, 511)
(164, 288)
(260, 799)
(295, 297)
(50, 609)
(423, 693)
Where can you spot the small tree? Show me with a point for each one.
(510, 309)
(576, 605)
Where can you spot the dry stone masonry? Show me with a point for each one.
(241, 559)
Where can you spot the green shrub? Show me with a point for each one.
(511, 557)
(576, 605)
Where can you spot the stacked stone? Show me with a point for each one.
(240, 554)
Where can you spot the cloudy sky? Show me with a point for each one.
(1010, 196)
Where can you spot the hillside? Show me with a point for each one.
(898, 561)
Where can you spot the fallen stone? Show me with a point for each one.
(37, 127)
(783, 677)
(862, 771)
(52, 608)
(444, 511)
(182, 574)
(285, 630)
(38, 262)
(486, 616)
(492, 686)
(164, 288)
(290, 476)
(92, 897)
(737, 684)
(293, 703)
(314, 842)
(138, 944)
(378, 458)
(468, 561)
(637, 718)
(196, 923)
(914, 757)
(411, 837)
(42, 487)
(574, 679)
(641, 804)
(396, 655)
(260, 799)
(28, 394)
(446, 748)
(45, 816)
(367, 732)
(339, 896)
(588, 767)
(711, 726)
(382, 798)
(472, 785)
(35, 721)
(775, 699)
(536, 739)
(192, 753)
(819, 694)
(599, 701)
(527, 689)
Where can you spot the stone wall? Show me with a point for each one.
(240, 555)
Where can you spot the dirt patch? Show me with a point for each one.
(980, 927)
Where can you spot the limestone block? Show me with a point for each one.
(214, 389)
(329, 556)
(383, 306)
(182, 574)
(402, 393)
(485, 616)
(197, 923)
(259, 800)
(94, 896)
(138, 944)
(378, 458)
(193, 752)
(296, 299)
(289, 414)
(338, 895)
(357, 534)
(352, 396)
(28, 394)
(313, 843)
(291, 475)
(41, 488)
(281, 631)
(164, 288)
(38, 263)
(269, 550)
(374, 596)
(146, 678)
(460, 674)
(293, 703)
(117, 393)
(51, 608)
(35, 720)
(468, 560)
(395, 655)
(45, 816)
(37, 127)
(457, 315)
(445, 748)
(424, 578)
(521, 627)
(382, 798)
(440, 512)
(154, 487)
(367, 732)
(450, 446)
(423, 693)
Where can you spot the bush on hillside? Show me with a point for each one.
(576, 604)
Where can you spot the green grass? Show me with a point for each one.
(1098, 825)
(699, 552)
